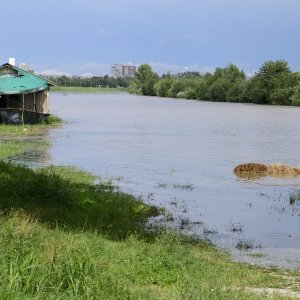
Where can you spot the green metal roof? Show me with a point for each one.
(14, 80)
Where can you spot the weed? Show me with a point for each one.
(188, 187)
(236, 227)
(244, 245)
(258, 255)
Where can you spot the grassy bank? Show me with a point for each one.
(78, 89)
(64, 237)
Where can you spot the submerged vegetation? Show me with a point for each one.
(274, 83)
(14, 138)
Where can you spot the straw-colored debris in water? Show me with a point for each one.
(256, 170)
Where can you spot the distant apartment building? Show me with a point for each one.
(26, 68)
(120, 70)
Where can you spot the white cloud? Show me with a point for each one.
(87, 69)
(193, 36)
(189, 36)
(104, 31)
(53, 72)
(163, 68)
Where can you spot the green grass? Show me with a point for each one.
(79, 89)
(65, 197)
(64, 237)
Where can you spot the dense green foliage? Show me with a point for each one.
(94, 81)
(64, 237)
(274, 83)
(80, 89)
(144, 81)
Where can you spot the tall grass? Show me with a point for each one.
(53, 198)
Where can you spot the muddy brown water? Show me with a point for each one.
(180, 155)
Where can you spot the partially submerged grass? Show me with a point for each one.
(16, 139)
(64, 237)
(10, 148)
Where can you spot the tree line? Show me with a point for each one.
(274, 83)
(94, 81)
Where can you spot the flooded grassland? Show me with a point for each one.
(180, 155)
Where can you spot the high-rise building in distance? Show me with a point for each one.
(121, 70)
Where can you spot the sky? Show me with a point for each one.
(82, 37)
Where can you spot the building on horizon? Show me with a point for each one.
(25, 67)
(121, 70)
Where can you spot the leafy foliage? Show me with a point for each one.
(274, 83)
(94, 81)
(144, 81)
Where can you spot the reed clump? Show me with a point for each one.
(256, 170)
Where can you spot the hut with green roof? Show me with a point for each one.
(24, 96)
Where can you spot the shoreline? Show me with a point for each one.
(77, 89)
(179, 266)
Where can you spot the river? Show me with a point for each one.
(180, 155)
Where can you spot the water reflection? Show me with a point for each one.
(181, 155)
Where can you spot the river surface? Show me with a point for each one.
(180, 155)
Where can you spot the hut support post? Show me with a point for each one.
(23, 105)
(34, 103)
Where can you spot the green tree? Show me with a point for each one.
(217, 91)
(162, 87)
(236, 91)
(177, 87)
(295, 98)
(202, 90)
(144, 81)
(272, 83)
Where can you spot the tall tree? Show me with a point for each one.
(272, 83)
(144, 81)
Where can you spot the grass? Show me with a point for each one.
(65, 197)
(64, 237)
(80, 89)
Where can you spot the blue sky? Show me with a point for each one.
(87, 36)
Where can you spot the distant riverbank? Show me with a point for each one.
(274, 84)
(80, 89)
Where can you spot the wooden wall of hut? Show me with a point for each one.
(41, 101)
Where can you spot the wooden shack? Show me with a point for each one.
(24, 96)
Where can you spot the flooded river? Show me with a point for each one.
(180, 155)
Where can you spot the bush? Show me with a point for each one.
(295, 98)
(281, 96)
(51, 120)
